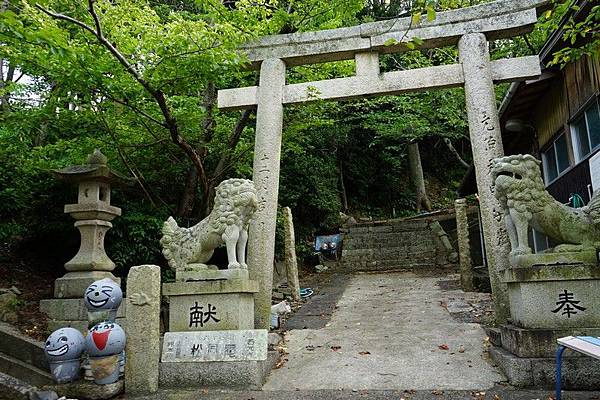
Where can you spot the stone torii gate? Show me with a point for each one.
(470, 28)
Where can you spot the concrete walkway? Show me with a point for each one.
(389, 332)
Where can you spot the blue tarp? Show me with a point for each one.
(336, 240)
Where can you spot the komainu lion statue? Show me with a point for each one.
(522, 194)
(235, 204)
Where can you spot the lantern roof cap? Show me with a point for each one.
(96, 169)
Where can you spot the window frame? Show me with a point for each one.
(552, 146)
(582, 115)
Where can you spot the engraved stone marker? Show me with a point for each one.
(243, 345)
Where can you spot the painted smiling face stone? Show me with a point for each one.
(105, 339)
(64, 344)
(103, 295)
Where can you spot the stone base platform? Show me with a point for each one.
(73, 284)
(83, 390)
(223, 374)
(211, 305)
(578, 373)
(524, 342)
(194, 274)
(72, 313)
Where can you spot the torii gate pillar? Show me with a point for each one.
(486, 144)
(267, 154)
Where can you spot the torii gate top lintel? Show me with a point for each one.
(498, 19)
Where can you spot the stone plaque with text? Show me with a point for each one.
(241, 345)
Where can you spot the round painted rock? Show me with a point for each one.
(105, 339)
(104, 294)
(64, 344)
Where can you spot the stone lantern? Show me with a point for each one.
(93, 213)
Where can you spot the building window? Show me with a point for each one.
(585, 131)
(555, 159)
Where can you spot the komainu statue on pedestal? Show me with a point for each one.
(520, 189)
(235, 204)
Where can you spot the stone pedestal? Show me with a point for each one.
(211, 305)
(551, 295)
(211, 339)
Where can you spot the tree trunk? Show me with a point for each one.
(343, 187)
(416, 176)
(188, 197)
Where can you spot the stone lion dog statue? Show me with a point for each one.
(235, 205)
(520, 189)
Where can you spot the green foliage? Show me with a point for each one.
(77, 96)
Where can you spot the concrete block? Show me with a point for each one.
(518, 370)
(73, 284)
(190, 274)
(15, 344)
(211, 346)
(579, 373)
(524, 342)
(559, 298)
(211, 312)
(70, 309)
(218, 374)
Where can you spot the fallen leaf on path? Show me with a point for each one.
(364, 353)
(443, 347)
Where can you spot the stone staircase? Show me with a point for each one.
(395, 244)
(22, 357)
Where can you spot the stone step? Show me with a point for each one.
(422, 245)
(382, 265)
(16, 345)
(23, 371)
(401, 226)
(387, 254)
(407, 233)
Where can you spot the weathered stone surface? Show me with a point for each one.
(210, 287)
(388, 83)
(13, 343)
(70, 309)
(14, 389)
(498, 19)
(570, 259)
(291, 263)
(235, 204)
(464, 248)
(143, 329)
(221, 374)
(211, 312)
(552, 272)
(190, 274)
(83, 390)
(267, 154)
(486, 143)
(525, 202)
(551, 303)
(24, 371)
(209, 346)
(91, 255)
(524, 342)
(73, 284)
(579, 373)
